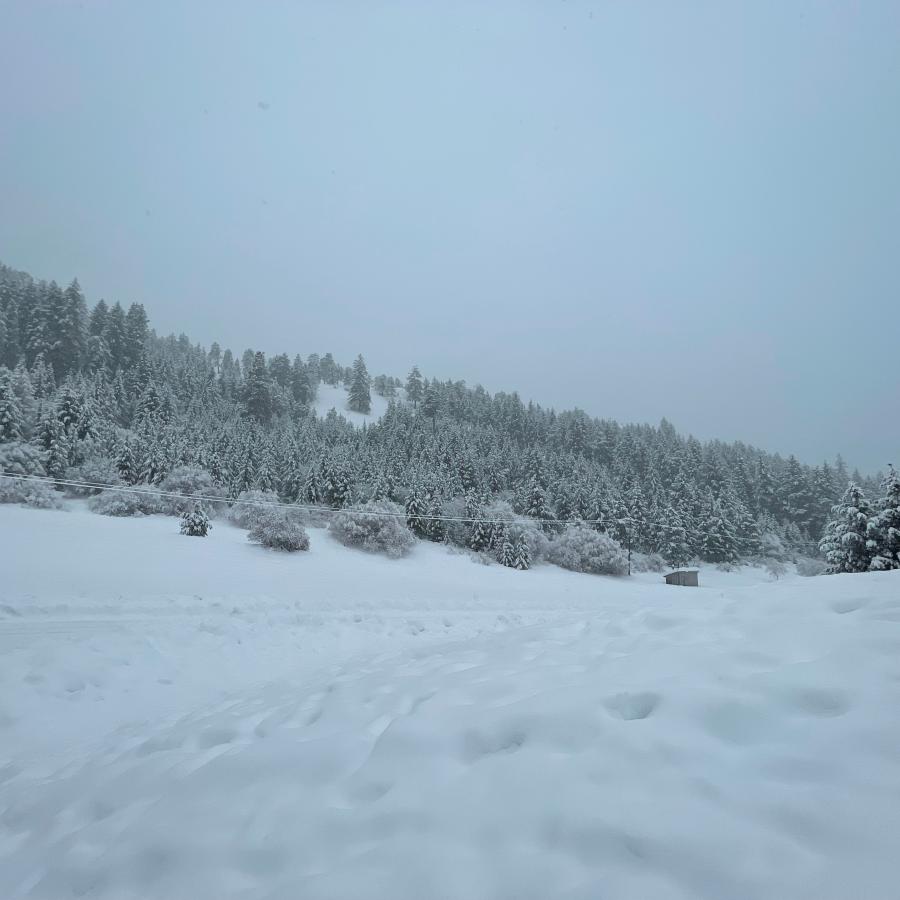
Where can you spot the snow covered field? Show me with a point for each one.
(330, 397)
(202, 718)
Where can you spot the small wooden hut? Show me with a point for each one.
(685, 577)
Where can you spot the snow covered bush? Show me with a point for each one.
(195, 522)
(513, 540)
(274, 529)
(248, 507)
(191, 481)
(809, 567)
(98, 470)
(138, 501)
(377, 526)
(37, 494)
(457, 533)
(19, 458)
(582, 549)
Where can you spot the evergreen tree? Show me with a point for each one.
(42, 378)
(883, 529)
(301, 387)
(536, 503)
(97, 319)
(125, 464)
(195, 522)
(258, 390)
(115, 337)
(435, 525)
(314, 368)
(719, 543)
(99, 359)
(414, 386)
(329, 370)
(10, 413)
(312, 487)
(136, 331)
(58, 451)
(7, 346)
(521, 552)
(359, 398)
(674, 546)
(431, 403)
(70, 409)
(844, 544)
(71, 330)
(337, 487)
(416, 510)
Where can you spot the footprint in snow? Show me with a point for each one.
(630, 706)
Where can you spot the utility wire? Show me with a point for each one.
(145, 490)
(629, 522)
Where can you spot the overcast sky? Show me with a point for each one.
(687, 210)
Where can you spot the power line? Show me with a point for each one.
(158, 492)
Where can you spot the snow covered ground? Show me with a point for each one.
(328, 398)
(202, 718)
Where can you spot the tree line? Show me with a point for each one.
(94, 387)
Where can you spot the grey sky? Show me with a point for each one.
(687, 210)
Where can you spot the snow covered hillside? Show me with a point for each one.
(187, 718)
(330, 397)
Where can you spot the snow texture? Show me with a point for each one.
(206, 719)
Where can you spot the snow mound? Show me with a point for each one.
(205, 719)
(328, 398)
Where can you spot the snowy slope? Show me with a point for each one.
(328, 398)
(201, 718)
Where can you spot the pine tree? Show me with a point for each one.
(337, 487)
(58, 452)
(416, 510)
(7, 347)
(329, 370)
(70, 409)
(883, 529)
(480, 536)
(536, 502)
(136, 331)
(521, 552)
(845, 542)
(42, 378)
(435, 525)
(719, 543)
(10, 412)
(195, 522)
(414, 386)
(258, 390)
(115, 337)
(674, 545)
(507, 555)
(312, 486)
(291, 482)
(301, 387)
(97, 319)
(383, 487)
(359, 398)
(431, 404)
(71, 330)
(125, 464)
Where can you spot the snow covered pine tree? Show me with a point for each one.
(195, 522)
